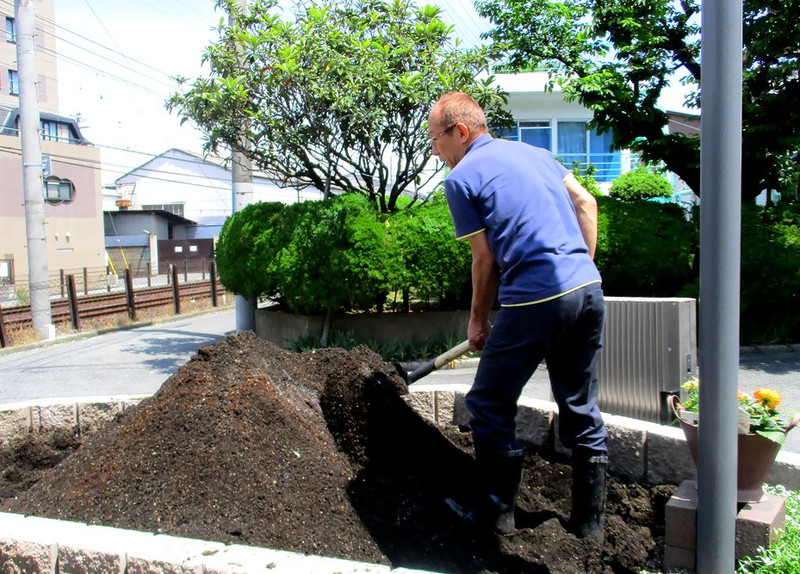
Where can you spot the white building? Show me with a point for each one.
(192, 187)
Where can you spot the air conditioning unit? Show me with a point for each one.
(649, 349)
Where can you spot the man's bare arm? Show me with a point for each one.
(485, 280)
(586, 209)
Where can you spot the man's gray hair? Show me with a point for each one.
(460, 108)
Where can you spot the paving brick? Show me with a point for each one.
(680, 517)
(757, 524)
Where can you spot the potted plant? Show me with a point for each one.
(762, 431)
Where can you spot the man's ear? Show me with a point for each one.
(463, 131)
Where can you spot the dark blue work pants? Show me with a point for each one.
(567, 333)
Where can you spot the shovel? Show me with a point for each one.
(427, 368)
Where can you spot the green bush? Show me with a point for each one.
(342, 254)
(639, 184)
(770, 275)
(436, 265)
(246, 249)
(644, 249)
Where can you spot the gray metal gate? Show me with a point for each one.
(650, 348)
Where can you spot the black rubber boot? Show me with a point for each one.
(500, 475)
(589, 476)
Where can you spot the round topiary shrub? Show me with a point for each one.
(639, 184)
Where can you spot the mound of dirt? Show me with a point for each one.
(319, 453)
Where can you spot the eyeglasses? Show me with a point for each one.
(435, 138)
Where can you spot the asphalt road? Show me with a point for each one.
(136, 361)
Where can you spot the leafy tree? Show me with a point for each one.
(337, 99)
(616, 56)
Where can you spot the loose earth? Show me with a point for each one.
(318, 453)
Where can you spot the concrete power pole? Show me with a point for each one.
(242, 183)
(39, 280)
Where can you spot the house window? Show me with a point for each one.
(57, 190)
(573, 143)
(13, 83)
(49, 131)
(11, 30)
(538, 134)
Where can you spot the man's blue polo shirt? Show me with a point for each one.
(515, 193)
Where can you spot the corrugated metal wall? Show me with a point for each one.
(650, 347)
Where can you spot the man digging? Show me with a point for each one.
(532, 230)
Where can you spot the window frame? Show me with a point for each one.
(13, 82)
(11, 30)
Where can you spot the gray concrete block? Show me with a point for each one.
(461, 416)
(534, 422)
(443, 406)
(422, 403)
(77, 560)
(668, 458)
(93, 416)
(785, 470)
(15, 424)
(626, 451)
(47, 418)
(24, 557)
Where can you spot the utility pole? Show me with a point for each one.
(720, 255)
(242, 183)
(38, 280)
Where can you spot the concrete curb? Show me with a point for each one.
(32, 544)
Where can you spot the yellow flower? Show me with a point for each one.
(770, 398)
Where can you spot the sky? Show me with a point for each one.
(116, 64)
(117, 60)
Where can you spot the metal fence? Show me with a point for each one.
(96, 280)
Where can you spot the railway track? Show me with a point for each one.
(92, 306)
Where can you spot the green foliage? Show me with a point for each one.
(616, 57)
(780, 557)
(394, 350)
(246, 249)
(436, 265)
(770, 285)
(586, 179)
(327, 99)
(640, 183)
(644, 249)
(342, 254)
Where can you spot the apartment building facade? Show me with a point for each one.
(71, 177)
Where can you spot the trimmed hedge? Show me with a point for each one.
(341, 254)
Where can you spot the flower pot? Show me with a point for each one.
(756, 454)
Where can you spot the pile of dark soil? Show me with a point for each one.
(317, 453)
